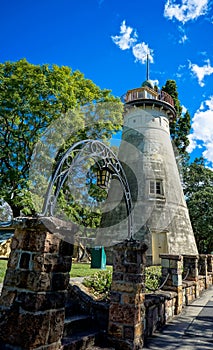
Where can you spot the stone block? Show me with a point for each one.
(7, 297)
(133, 298)
(42, 301)
(115, 329)
(66, 248)
(26, 330)
(135, 268)
(38, 281)
(60, 281)
(131, 256)
(56, 326)
(51, 244)
(13, 261)
(177, 280)
(129, 332)
(51, 262)
(134, 278)
(165, 263)
(130, 314)
(115, 297)
(16, 278)
(118, 276)
(122, 286)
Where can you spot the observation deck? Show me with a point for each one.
(145, 96)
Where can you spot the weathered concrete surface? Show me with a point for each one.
(161, 219)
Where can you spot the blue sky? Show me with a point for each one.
(107, 40)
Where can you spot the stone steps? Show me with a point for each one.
(80, 330)
(77, 323)
(80, 341)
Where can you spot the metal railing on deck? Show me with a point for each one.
(147, 93)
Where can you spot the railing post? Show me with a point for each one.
(190, 275)
(127, 311)
(172, 267)
(203, 268)
(210, 263)
(210, 268)
(190, 267)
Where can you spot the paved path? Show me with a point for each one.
(192, 330)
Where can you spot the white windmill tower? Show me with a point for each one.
(160, 213)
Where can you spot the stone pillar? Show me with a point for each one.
(210, 263)
(32, 302)
(172, 267)
(203, 264)
(210, 269)
(190, 277)
(190, 267)
(203, 268)
(127, 311)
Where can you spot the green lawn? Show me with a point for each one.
(3, 265)
(83, 270)
(78, 270)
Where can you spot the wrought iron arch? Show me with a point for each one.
(104, 158)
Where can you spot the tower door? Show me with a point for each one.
(159, 246)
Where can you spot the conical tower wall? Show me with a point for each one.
(161, 217)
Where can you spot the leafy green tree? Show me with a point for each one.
(198, 190)
(180, 126)
(31, 98)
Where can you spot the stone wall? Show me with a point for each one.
(185, 278)
(33, 295)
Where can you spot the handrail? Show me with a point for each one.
(161, 286)
(187, 274)
(137, 94)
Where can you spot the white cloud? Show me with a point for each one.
(202, 129)
(184, 109)
(183, 34)
(140, 52)
(183, 39)
(192, 144)
(124, 40)
(188, 10)
(127, 39)
(201, 72)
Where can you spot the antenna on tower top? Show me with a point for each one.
(147, 66)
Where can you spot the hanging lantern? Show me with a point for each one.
(103, 178)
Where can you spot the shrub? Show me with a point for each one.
(100, 283)
(153, 278)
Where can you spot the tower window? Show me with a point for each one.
(156, 187)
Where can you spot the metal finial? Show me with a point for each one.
(147, 66)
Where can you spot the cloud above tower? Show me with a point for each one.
(188, 10)
(128, 39)
(201, 71)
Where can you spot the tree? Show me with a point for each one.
(31, 98)
(180, 126)
(198, 188)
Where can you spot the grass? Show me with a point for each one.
(84, 270)
(3, 266)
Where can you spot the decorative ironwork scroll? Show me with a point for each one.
(104, 159)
